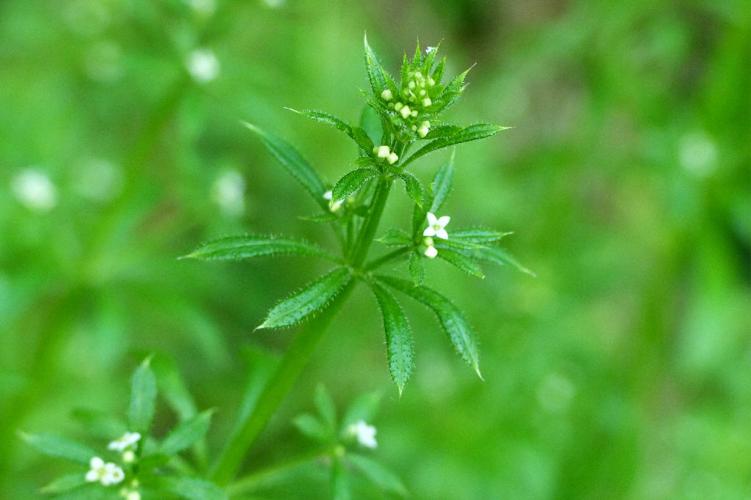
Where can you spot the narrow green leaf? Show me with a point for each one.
(186, 433)
(88, 491)
(355, 133)
(378, 474)
(352, 181)
(310, 300)
(64, 484)
(477, 236)
(460, 261)
(414, 188)
(399, 342)
(453, 90)
(172, 386)
(471, 133)
(251, 245)
(312, 427)
(326, 406)
(294, 163)
(375, 70)
(142, 398)
(440, 131)
(370, 122)
(416, 268)
(500, 256)
(442, 182)
(449, 316)
(395, 238)
(192, 488)
(59, 447)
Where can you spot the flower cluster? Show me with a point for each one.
(110, 473)
(416, 94)
(364, 433)
(106, 473)
(436, 227)
(385, 153)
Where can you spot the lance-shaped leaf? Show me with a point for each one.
(294, 163)
(478, 236)
(59, 447)
(378, 77)
(311, 299)
(442, 182)
(501, 257)
(467, 134)
(326, 407)
(399, 342)
(352, 181)
(449, 316)
(313, 428)
(378, 474)
(416, 268)
(453, 90)
(414, 188)
(253, 245)
(442, 131)
(355, 133)
(460, 261)
(142, 397)
(186, 433)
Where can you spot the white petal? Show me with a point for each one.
(444, 221)
(96, 462)
(328, 195)
(431, 252)
(92, 476)
(429, 231)
(432, 220)
(441, 233)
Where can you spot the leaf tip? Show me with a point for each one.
(476, 366)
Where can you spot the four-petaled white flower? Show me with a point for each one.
(364, 433)
(431, 251)
(126, 441)
(203, 65)
(437, 226)
(106, 473)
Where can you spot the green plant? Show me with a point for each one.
(401, 123)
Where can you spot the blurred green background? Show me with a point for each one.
(621, 371)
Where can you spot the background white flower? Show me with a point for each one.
(228, 191)
(437, 226)
(364, 433)
(34, 190)
(203, 65)
(127, 440)
(105, 473)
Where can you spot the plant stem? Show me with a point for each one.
(297, 356)
(249, 482)
(367, 233)
(373, 264)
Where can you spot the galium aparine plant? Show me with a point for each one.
(403, 121)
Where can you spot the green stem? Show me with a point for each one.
(289, 369)
(367, 233)
(251, 481)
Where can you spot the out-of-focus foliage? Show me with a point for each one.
(619, 372)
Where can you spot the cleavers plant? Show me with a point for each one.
(401, 123)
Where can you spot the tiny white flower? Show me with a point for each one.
(130, 494)
(405, 111)
(382, 151)
(113, 474)
(328, 195)
(430, 50)
(386, 95)
(437, 226)
(430, 250)
(364, 433)
(96, 470)
(34, 190)
(126, 441)
(392, 158)
(203, 65)
(129, 456)
(228, 192)
(426, 102)
(105, 473)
